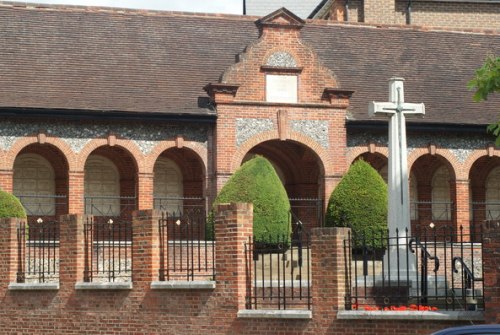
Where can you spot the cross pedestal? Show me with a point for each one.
(399, 204)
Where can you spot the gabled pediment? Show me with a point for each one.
(281, 17)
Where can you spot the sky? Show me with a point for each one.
(203, 6)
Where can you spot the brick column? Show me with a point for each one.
(328, 270)
(71, 251)
(8, 252)
(145, 185)
(491, 270)
(233, 228)
(6, 180)
(145, 249)
(76, 191)
(462, 203)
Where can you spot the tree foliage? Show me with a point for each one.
(487, 79)
(10, 206)
(256, 181)
(359, 201)
(485, 82)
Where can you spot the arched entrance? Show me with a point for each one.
(301, 172)
(110, 185)
(40, 181)
(432, 192)
(484, 177)
(179, 177)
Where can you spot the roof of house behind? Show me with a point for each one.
(301, 8)
(159, 62)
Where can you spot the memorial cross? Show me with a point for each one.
(396, 108)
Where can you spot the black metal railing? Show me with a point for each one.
(439, 212)
(46, 205)
(179, 204)
(279, 273)
(187, 247)
(108, 251)
(38, 258)
(483, 212)
(309, 210)
(436, 268)
(104, 208)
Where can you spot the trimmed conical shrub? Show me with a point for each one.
(359, 201)
(10, 206)
(256, 181)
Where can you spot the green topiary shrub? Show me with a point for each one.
(10, 206)
(359, 202)
(256, 181)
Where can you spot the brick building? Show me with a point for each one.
(106, 111)
(461, 14)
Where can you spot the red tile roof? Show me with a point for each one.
(158, 62)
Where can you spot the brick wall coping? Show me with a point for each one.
(274, 314)
(33, 286)
(183, 285)
(282, 283)
(104, 286)
(411, 315)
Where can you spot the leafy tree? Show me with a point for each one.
(256, 181)
(486, 82)
(359, 201)
(10, 206)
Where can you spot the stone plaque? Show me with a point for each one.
(281, 88)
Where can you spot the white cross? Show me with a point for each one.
(396, 108)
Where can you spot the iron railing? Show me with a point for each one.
(108, 251)
(483, 212)
(424, 212)
(45, 205)
(187, 247)
(433, 269)
(110, 207)
(309, 210)
(38, 253)
(179, 204)
(278, 273)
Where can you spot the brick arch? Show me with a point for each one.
(448, 158)
(7, 163)
(325, 163)
(353, 154)
(477, 154)
(195, 147)
(128, 145)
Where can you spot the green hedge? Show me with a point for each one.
(256, 181)
(359, 201)
(10, 206)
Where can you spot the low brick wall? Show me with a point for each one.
(143, 310)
